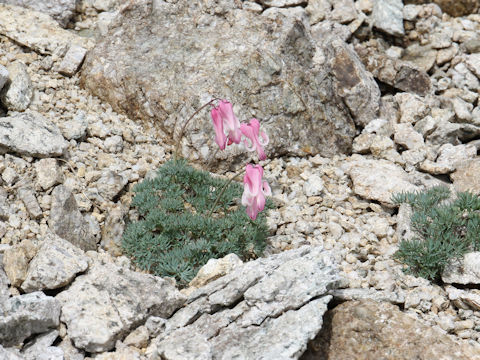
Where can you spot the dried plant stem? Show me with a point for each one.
(182, 130)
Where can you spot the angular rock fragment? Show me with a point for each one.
(3, 76)
(464, 271)
(466, 178)
(108, 302)
(17, 93)
(37, 31)
(68, 222)
(72, 60)
(60, 10)
(25, 315)
(378, 179)
(31, 134)
(16, 260)
(265, 309)
(353, 84)
(397, 73)
(48, 173)
(54, 265)
(41, 347)
(27, 195)
(388, 16)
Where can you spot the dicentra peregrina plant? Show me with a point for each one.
(255, 189)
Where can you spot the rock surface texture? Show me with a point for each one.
(104, 304)
(372, 330)
(384, 92)
(259, 63)
(268, 308)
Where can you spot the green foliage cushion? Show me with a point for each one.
(176, 234)
(445, 230)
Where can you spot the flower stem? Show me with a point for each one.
(182, 130)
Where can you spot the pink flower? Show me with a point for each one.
(258, 139)
(254, 190)
(225, 120)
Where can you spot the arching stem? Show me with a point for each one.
(182, 130)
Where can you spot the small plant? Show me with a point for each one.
(188, 217)
(445, 230)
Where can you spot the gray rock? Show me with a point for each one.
(70, 352)
(16, 259)
(54, 265)
(449, 157)
(464, 299)
(264, 65)
(40, 348)
(31, 134)
(4, 282)
(313, 186)
(10, 354)
(72, 60)
(473, 63)
(17, 93)
(27, 195)
(378, 179)
(26, 315)
(466, 178)
(48, 173)
(388, 16)
(108, 302)
(422, 56)
(406, 136)
(110, 184)
(464, 271)
(400, 74)
(112, 230)
(265, 309)
(60, 10)
(404, 230)
(318, 10)
(3, 76)
(352, 82)
(37, 31)
(76, 128)
(67, 222)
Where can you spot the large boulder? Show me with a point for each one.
(367, 329)
(175, 57)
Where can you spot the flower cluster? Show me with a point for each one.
(228, 130)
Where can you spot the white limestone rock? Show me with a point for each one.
(464, 271)
(48, 172)
(108, 302)
(17, 93)
(388, 16)
(378, 179)
(30, 134)
(55, 265)
(25, 315)
(72, 60)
